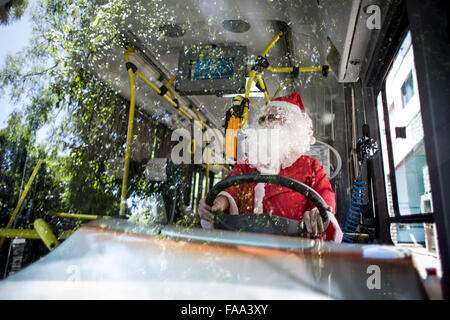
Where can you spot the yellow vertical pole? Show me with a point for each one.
(263, 86)
(282, 86)
(22, 198)
(126, 166)
(253, 74)
(247, 95)
(207, 161)
(271, 43)
(207, 170)
(234, 124)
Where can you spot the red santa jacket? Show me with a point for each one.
(283, 201)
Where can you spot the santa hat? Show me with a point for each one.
(288, 102)
(292, 104)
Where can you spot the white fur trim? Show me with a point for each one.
(233, 207)
(286, 105)
(259, 196)
(233, 210)
(338, 234)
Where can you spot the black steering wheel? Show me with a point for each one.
(265, 223)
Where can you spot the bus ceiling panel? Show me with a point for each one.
(158, 40)
(167, 30)
(349, 26)
(367, 27)
(173, 26)
(205, 22)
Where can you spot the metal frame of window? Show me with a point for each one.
(430, 38)
(429, 35)
(392, 175)
(376, 176)
(415, 218)
(395, 29)
(381, 53)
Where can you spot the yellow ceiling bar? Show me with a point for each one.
(252, 77)
(19, 233)
(132, 69)
(179, 108)
(271, 44)
(291, 69)
(81, 216)
(171, 101)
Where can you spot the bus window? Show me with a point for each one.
(405, 164)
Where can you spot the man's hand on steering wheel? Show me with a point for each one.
(221, 203)
(314, 223)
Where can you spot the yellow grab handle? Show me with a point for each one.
(263, 86)
(46, 234)
(234, 124)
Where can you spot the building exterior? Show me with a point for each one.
(411, 170)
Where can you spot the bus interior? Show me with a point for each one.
(372, 77)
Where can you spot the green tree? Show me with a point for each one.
(12, 10)
(52, 77)
(18, 157)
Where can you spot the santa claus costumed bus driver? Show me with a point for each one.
(286, 156)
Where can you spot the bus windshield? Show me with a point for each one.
(294, 119)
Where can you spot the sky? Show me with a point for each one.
(13, 37)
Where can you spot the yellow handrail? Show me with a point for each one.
(29, 234)
(263, 86)
(130, 52)
(46, 234)
(22, 198)
(253, 74)
(42, 229)
(128, 147)
(247, 95)
(291, 69)
(80, 216)
(19, 233)
(271, 44)
(280, 69)
(282, 86)
(168, 84)
(172, 102)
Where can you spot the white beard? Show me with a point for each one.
(270, 149)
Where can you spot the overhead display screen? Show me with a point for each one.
(211, 69)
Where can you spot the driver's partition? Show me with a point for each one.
(117, 259)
